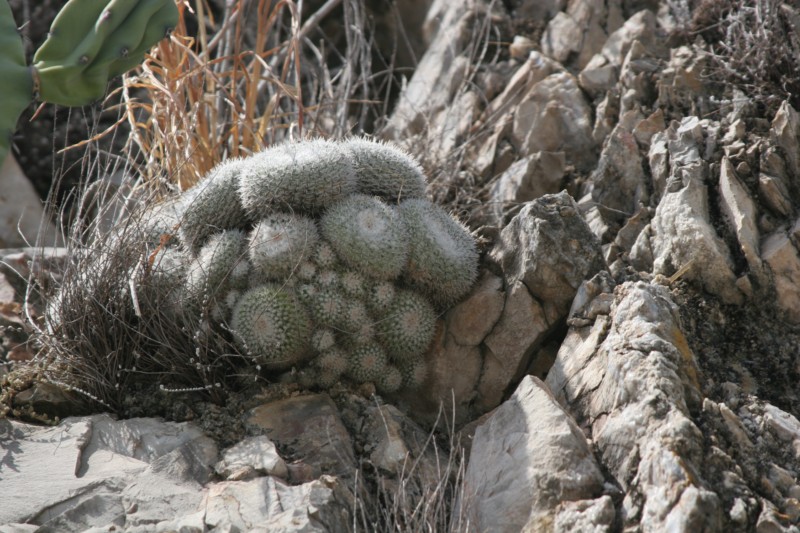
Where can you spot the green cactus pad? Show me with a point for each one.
(16, 83)
(367, 235)
(270, 325)
(281, 243)
(407, 326)
(220, 266)
(367, 363)
(91, 41)
(386, 171)
(296, 177)
(443, 259)
(212, 205)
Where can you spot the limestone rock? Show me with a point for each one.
(640, 27)
(740, 210)
(21, 211)
(632, 377)
(471, 320)
(311, 428)
(527, 179)
(619, 185)
(682, 236)
(95, 471)
(786, 134)
(550, 248)
(267, 504)
(526, 459)
(778, 251)
(554, 116)
(521, 329)
(254, 456)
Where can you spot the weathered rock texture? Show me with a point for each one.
(642, 239)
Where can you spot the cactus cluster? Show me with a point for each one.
(320, 257)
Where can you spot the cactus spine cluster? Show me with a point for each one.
(323, 257)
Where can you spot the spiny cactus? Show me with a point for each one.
(443, 259)
(271, 326)
(386, 171)
(220, 266)
(212, 205)
(367, 363)
(305, 177)
(281, 243)
(368, 235)
(300, 269)
(407, 326)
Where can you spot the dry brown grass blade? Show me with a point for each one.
(196, 101)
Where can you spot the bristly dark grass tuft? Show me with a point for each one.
(424, 496)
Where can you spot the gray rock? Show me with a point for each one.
(785, 133)
(591, 516)
(95, 471)
(525, 180)
(21, 211)
(550, 248)
(619, 184)
(520, 331)
(526, 459)
(741, 214)
(268, 505)
(470, 321)
(399, 447)
(640, 27)
(554, 116)
(631, 376)
(254, 456)
(310, 428)
(775, 194)
(782, 256)
(598, 76)
(562, 37)
(683, 238)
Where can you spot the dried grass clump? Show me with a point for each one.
(418, 498)
(108, 334)
(239, 86)
(752, 46)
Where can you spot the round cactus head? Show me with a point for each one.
(212, 205)
(407, 326)
(443, 258)
(280, 244)
(368, 235)
(367, 363)
(271, 326)
(220, 265)
(296, 177)
(386, 171)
